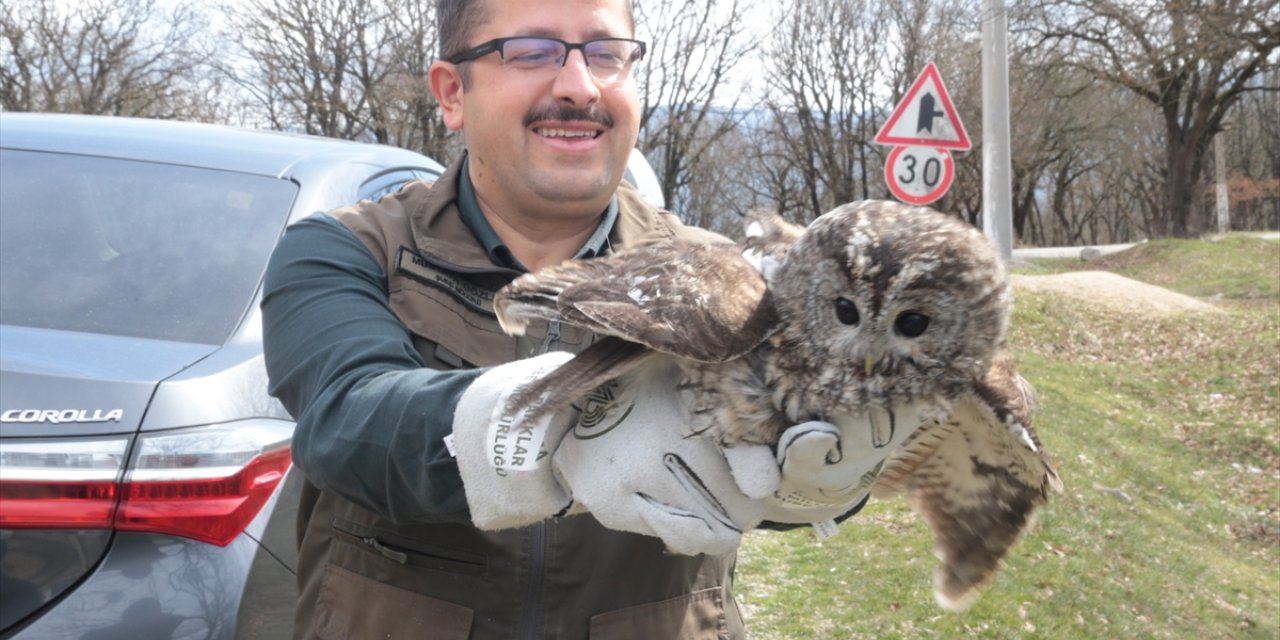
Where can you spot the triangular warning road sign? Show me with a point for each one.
(925, 117)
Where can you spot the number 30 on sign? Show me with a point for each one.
(919, 175)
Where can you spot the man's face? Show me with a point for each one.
(545, 142)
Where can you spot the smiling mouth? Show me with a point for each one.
(571, 134)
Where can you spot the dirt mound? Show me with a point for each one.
(1115, 292)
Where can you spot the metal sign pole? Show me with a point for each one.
(1220, 168)
(997, 201)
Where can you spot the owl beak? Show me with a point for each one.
(871, 363)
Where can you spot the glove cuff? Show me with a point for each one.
(506, 464)
(788, 526)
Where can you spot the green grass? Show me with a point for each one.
(1167, 436)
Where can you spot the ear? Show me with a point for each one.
(769, 234)
(771, 227)
(446, 84)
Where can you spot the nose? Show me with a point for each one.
(574, 83)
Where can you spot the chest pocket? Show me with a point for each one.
(451, 318)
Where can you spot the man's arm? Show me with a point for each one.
(371, 418)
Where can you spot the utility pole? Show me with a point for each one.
(1220, 169)
(997, 160)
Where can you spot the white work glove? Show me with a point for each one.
(827, 469)
(630, 460)
(505, 464)
(633, 463)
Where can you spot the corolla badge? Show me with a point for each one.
(59, 416)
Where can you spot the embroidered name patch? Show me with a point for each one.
(476, 298)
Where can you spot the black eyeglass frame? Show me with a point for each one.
(486, 48)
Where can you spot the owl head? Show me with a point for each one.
(883, 303)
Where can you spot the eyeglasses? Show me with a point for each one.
(608, 59)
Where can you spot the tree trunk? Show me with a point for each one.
(1179, 185)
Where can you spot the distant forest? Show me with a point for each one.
(1125, 114)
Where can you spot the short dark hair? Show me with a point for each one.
(457, 20)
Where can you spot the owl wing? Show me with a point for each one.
(976, 478)
(768, 238)
(694, 300)
(691, 299)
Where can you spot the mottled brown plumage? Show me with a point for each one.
(701, 302)
(875, 304)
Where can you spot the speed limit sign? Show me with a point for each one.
(919, 175)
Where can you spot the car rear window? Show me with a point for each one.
(120, 247)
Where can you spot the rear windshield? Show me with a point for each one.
(102, 245)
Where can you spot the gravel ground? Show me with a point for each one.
(1115, 292)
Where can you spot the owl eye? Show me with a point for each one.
(846, 311)
(911, 324)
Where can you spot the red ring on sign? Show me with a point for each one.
(948, 175)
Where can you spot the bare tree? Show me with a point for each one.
(922, 30)
(824, 65)
(413, 115)
(719, 191)
(772, 177)
(1253, 155)
(1191, 59)
(687, 104)
(354, 69)
(313, 63)
(944, 32)
(1060, 121)
(126, 58)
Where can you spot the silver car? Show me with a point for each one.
(145, 485)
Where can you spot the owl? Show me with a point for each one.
(874, 305)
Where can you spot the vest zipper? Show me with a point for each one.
(387, 552)
(553, 335)
(532, 609)
(530, 614)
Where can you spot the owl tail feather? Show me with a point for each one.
(606, 359)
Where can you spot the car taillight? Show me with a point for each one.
(67, 483)
(205, 483)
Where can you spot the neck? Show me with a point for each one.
(538, 241)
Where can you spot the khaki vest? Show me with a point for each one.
(364, 577)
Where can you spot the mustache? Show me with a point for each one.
(568, 113)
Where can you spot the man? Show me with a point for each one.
(377, 316)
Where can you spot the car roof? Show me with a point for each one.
(275, 153)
